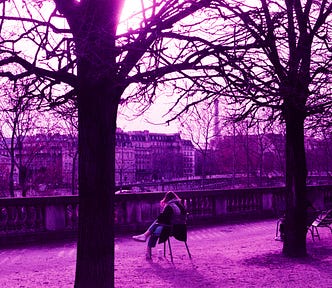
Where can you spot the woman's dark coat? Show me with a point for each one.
(174, 218)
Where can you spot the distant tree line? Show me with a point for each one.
(261, 156)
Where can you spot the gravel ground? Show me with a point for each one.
(239, 255)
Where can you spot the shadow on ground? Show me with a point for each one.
(316, 256)
(178, 276)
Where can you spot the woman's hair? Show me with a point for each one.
(169, 196)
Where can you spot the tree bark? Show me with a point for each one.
(97, 109)
(95, 248)
(296, 173)
(93, 24)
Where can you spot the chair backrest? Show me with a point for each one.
(178, 227)
(323, 218)
(312, 216)
(178, 217)
(328, 217)
(179, 232)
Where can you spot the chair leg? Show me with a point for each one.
(170, 249)
(330, 228)
(314, 232)
(317, 234)
(277, 229)
(187, 249)
(311, 229)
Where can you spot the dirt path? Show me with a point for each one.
(227, 256)
(223, 256)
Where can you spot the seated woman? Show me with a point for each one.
(173, 212)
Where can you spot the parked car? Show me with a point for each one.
(123, 191)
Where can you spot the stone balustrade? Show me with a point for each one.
(43, 218)
(38, 218)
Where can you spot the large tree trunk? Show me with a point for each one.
(99, 92)
(97, 128)
(95, 249)
(296, 172)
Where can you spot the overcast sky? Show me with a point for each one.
(153, 119)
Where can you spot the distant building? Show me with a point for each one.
(46, 164)
(125, 166)
(162, 156)
(143, 160)
(44, 159)
(188, 152)
(69, 147)
(51, 161)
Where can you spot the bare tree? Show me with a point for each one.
(95, 63)
(69, 126)
(264, 146)
(279, 59)
(274, 56)
(90, 64)
(18, 120)
(200, 124)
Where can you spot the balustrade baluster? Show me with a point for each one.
(255, 199)
(208, 206)
(68, 215)
(3, 218)
(247, 202)
(21, 217)
(229, 204)
(201, 205)
(198, 205)
(12, 218)
(259, 201)
(189, 205)
(40, 216)
(194, 207)
(204, 206)
(250, 202)
(241, 203)
(74, 217)
(236, 203)
(116, 213)
(328, 198)
(121, 212)
(31, 216)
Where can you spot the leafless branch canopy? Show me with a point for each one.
(251, 56)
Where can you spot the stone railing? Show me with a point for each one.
(38, 218)
(43, 218)
(136, 211)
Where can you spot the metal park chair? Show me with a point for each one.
(324, 219)
(177, 230)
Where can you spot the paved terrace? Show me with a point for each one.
(231, 255)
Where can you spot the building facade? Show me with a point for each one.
(50, 162)
(125, 166)
(160, 156)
